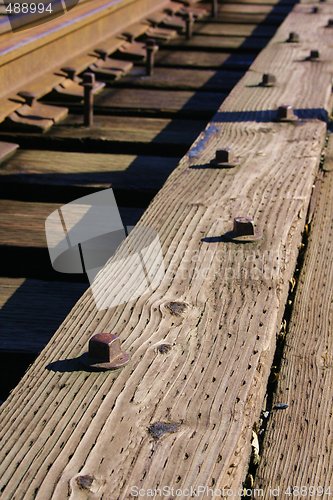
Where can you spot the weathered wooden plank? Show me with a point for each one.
(251, 9)
(260, 2)
(22, 224)
(205, 338)
(261, 103)
(181, 79)
(203, 60)
(218, 43)
(219, 29)
(116, 133)
(230, 16)
(159, 102)
(96, 434)
(31, 310)
(94, 171)
(298, 443)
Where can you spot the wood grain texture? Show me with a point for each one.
(181, 79)
(131, 129)
(157, 102)
(296, 77)
(225, 322)
(203, 60)
(27, 317)
(298, 444)
(22, 224)
(201, 344)
(56, 168)
(218, 43)
(219, 29)
(151, 135)
(231, 15)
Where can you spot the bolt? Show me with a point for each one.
(330, 23)
(88, 98)
(314, 10)
(243, 226)
(293, 37)
(268, 80)
(225, 158)
(70, 72)
(129, 37)
(103, 54)
(105, 352)
(29, 97)
(244, 230)
(151, 49)
(189, 25)
(286, 113)
(215, 8)
(314, 55)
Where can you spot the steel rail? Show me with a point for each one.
(28, 55)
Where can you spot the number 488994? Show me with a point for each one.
(29, 8)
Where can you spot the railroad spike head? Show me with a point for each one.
(29, 97)
(105, 353)
(314, 10)
(314, 55)
(285, 113)
(244, 231)
(293, 37)
(88, 79)
(103, 54)
(129, 37)
(225, 158)
(243, 226)
(268, 80)
(330, 23)
(70, 72)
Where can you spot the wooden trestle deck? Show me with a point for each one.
(184, 416)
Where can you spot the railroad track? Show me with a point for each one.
(181, 107)
(142, 126)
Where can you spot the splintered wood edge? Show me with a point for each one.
(298, 439)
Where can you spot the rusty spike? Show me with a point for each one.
(70, 72)
(29, 97)
(189, 25)
(314, 55)
(215, 8)
(225, 158)
(244, 230)
(293, 37)
(243, 226)
(268, 80)
(285, 113)
(151, 49)
(88, 83)
(105, 352)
